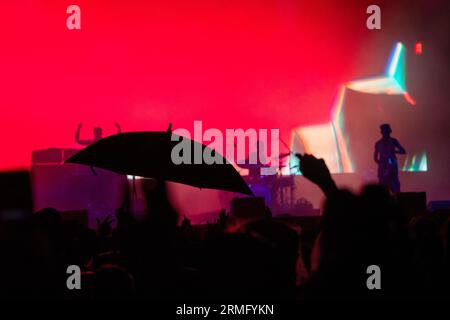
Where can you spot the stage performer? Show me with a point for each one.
(385, 156)
(98, 134)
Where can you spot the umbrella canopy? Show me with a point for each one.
(149, 154)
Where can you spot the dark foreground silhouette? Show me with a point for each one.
(232, 258)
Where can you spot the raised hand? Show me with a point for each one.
(119, 129)
(105, 226)
(317, 172)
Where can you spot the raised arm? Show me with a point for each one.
(119, 129)
(399, 148)
(317, 172)
(77, 137)
(376, 154)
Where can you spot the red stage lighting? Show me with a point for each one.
(418, 48)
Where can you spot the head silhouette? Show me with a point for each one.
(98, 133)
(385, 130)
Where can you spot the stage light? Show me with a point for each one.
(423, 165)
(129, 177)
(320, 140)
(418, 48)
(408, 98)
(392, 82)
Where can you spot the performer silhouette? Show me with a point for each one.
(254, 170)
(385, 156)
(98, 134)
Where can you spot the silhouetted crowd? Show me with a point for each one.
(157, 257)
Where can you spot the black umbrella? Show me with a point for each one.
(149, 154)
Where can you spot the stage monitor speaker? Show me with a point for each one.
(439, 205)
(413, 203)
(52, 155)
(253, 207)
